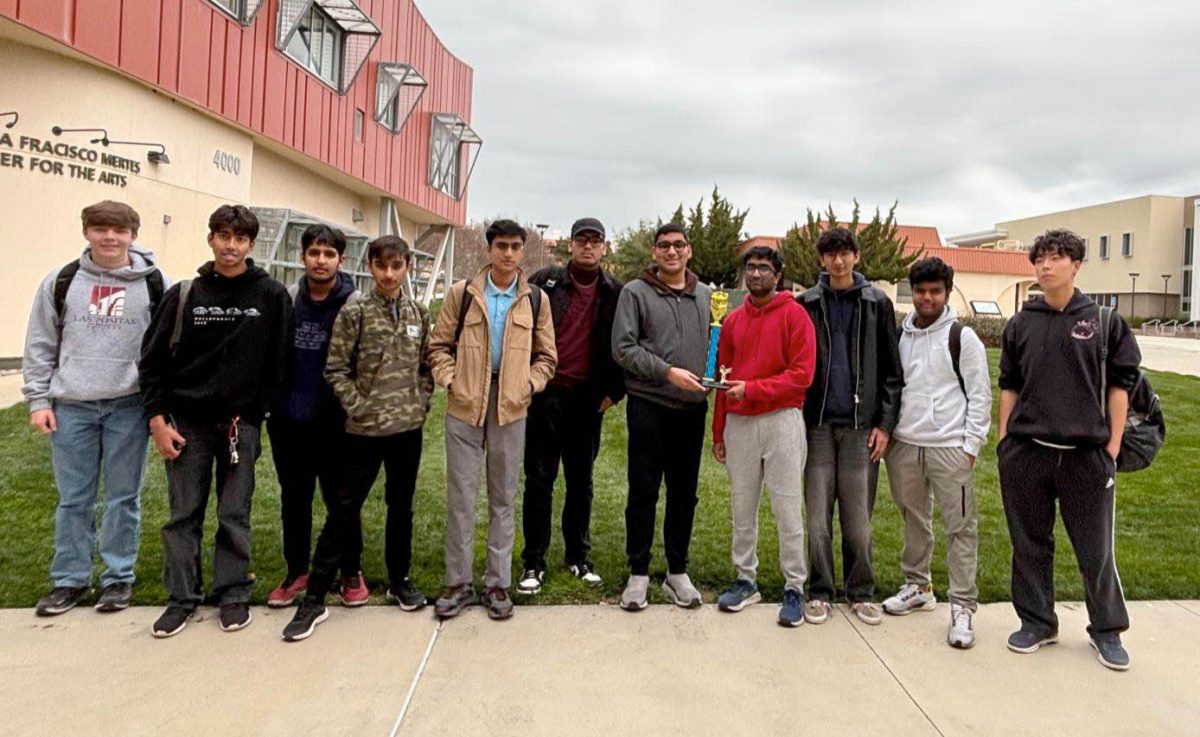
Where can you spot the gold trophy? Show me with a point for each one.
(718, 305)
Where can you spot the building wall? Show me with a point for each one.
(1157, 225)
(192, 51)
(1007, 291)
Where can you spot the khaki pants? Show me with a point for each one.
(919, 476)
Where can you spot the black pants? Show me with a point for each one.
(1032, 476)
(304, 453)
(340, 543)
(189, 478)
(663, 442)
(564, 424)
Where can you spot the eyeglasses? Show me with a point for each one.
(584, 241)
(760, 269)
(668, 245)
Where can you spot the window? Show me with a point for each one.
(243, 11)
(1085, 249)
(277, 248)
(1185, 304)
(358, 124)
(904, 291)
(398, 87)
(450, 140)
(1187, 247)
(330, 38)
(1127, 244)
(1104, 247)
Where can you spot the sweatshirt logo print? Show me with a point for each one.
(202, 315)
(1084, 330)
(107, 301)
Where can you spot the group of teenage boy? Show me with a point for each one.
(820, 387)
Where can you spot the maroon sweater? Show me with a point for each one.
(573, 337)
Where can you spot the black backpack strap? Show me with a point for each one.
(535, 301)
(155, 287)
(956, 329)
(1105, 319)
(462, 310)
(62, 283)
(185, 287)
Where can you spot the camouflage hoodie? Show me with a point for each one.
(377, 364)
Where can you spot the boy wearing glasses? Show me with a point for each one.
(564, 421)
(758, 428)
(660, 339)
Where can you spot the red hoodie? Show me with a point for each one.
(774, 350)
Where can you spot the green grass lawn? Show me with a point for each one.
(1157, 518)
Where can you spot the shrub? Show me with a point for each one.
(989, 329)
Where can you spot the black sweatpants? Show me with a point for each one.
(1083, 481)
(340, 543)
(563, 424)
(304, 453)
(189, 479)
(663, 442)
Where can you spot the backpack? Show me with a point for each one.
(1145, 429)
(62, 284)
(535, 301)
(956, 329)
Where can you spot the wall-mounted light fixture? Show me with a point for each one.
(154, 157)
(56, 130)
(12, 122)
(356, 215)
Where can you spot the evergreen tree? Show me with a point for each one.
(714, 237)
(882, 253)
(632, 250)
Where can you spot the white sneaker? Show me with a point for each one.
(961, 634)
(911, 598)
(681, 591)
(531, 581)
(867, 612)
(584, 572)
(816, 611)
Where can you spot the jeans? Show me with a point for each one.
(189, 478)
(109, 437)
(840, 471)
(305, 453)
(663, 443)
(563, 424)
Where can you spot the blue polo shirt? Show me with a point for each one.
(499, 302)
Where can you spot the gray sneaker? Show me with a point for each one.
(634, 597)
(740, 595)
(114, 597)
(817, 611)
(681, 591)
(1026, 641)
(498, 603)
(911, 598)
(868, 612)
(454, 599)
(1110, 651)
(61, 599)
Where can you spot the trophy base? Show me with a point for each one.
(720, 386)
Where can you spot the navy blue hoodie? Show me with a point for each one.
(307, 396)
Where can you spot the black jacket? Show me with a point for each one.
(608, 379)
(874, 355)
(232, 351)
(1051, 359)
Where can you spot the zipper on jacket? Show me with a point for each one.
(828, 360)
(858, 376)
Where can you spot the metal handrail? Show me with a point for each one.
(1173, 324)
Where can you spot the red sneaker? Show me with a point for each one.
(354, 590)
(285, 593)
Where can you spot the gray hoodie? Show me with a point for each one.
(105, 315)
(655, 329)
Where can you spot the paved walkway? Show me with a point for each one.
(592, 670)
(1162, 353)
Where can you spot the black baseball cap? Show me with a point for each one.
(585, 224)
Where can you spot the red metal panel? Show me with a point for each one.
(195, 34)
(216, 65)
(289, 105)
(314, 91)
(264, 57)
(8, 8)
(97, 29)
(246, 77)
(233, 58)
(168, 47)
(140, 33)
(55, 18)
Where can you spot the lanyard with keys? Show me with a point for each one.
(233, 440)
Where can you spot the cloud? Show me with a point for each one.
(967, 114)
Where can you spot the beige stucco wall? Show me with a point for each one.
(1005, 290)
(1157, 226)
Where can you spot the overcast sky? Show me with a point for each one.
(967, 113)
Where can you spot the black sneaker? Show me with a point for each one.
(60, 599)
(114, 597)
(531, 581)
(171, 622)
(1110, 651)
(1024, 641)
(234, 616)
(585, 572)
(308, 615)
(407, 596)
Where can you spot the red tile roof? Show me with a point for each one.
(917, 235)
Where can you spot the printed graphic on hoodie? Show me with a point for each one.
(1084, 330)
(107, 301)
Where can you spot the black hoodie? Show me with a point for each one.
(1051, 359)
(232, 351)
(306, 395)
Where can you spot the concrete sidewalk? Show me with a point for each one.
(592, 670)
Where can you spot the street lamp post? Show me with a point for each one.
(1133, 276)
(1166, 279)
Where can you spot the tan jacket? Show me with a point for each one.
(466, 368)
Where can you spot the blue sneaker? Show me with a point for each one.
(741, 594)
(791, 614)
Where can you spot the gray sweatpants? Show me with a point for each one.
(466, 447)
(768, 449)
(919, 476)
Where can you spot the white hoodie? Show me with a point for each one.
(934, 412)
